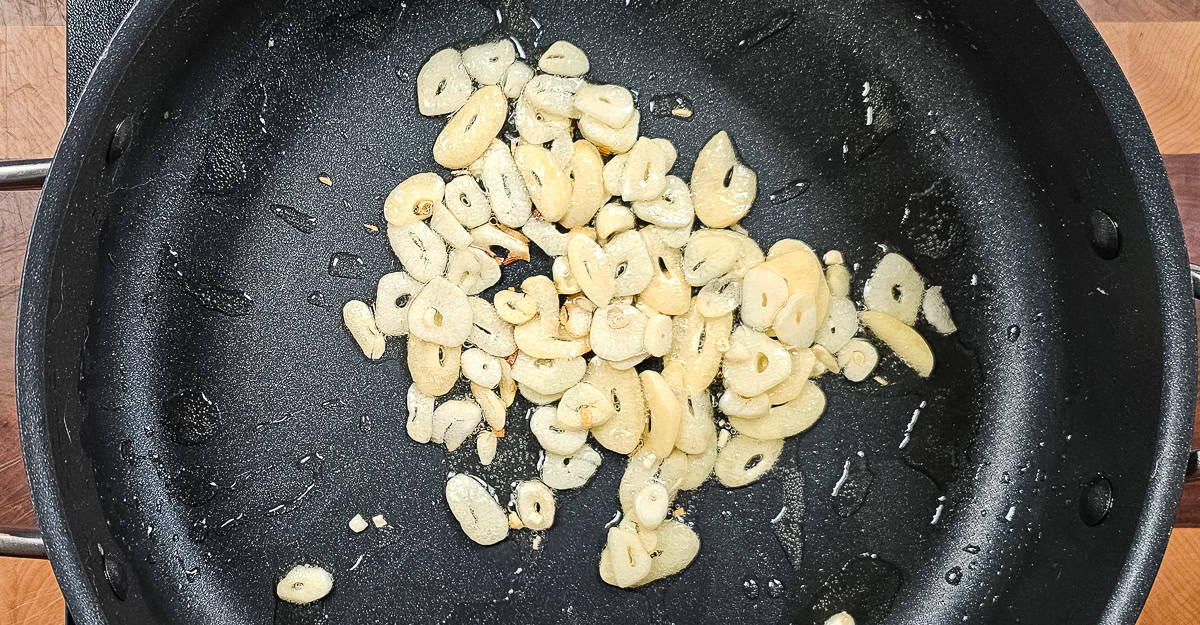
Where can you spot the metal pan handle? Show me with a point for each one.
(18, 544)
(1193, 465)
(23, 175)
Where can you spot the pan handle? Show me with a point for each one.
(25, 175)
(21, 544)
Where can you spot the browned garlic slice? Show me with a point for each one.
(935, 311)
(743, 460)
(901, 339)
(488, 62)
(472, 129)
(361, 322)
(443, 84)
(481, 517)
(719, 204)
(895, 288)
(567, 472)
(535, 505)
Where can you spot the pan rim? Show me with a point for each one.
(1112, 90)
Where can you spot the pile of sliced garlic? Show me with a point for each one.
(633, 279)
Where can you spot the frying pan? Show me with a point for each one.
(195, 421)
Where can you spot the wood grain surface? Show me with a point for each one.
(1157, 43)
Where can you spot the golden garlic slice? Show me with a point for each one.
(549, 187)
(666, 412)
(472, 129)
(414, 199)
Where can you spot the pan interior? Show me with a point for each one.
(232, 427)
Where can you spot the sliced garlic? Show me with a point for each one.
(488, 237)
(630, 261)
(420, 415)
(472, 129)
(443, 84)
(699, 467)
(583, 406)
(699, 343)
(796, 323)
(536, 398)
(434, 368)
(628, 560)
(825, 361)
(588, 191)
(357, 524)
(767, 364)
(840, 326)
(421, 251)
(454, 421)
(895, 288)
(651, 506)
(667, 292)
(804, 274)
(628, 363)
(564, 282)
(611, 105)
(495, 412)
(764, 293)
(666, 412)
(645, 468)
(546, 236)
(696, 428)
(750, 257)
(617, 331)
(515, 78)
(481, 368)
(392, 297)
(304, 583)
(743, 460)
(440, 314)
(488, 62)
(552, 94)
(614, 174)
(534, 340)
(414, 199)
(485, 447)
(838, 277)
(548, 376)
(552, 437)
(508, 386)
(592, 268)
(668, 150)
(676, 546)
(656, 339)
(536, 126)
(613, 219)
(505, 186)
(841, 618)
(710, 254)
(672, 209)
(787, 420)
(535, 505)
(475, 270)
(564, 59)
(576, 316)
(803, 361)
(610, 139)
(857, 360)
(901, 339)
(784, 246)
(733, 405)
(467, 202)
(361, 322)
(549, 187)
(488, 331)
(574, 471)
(935, 311)
(719, 203)
(623, 431)
(719, 297)
(481, 517)
(645, 174)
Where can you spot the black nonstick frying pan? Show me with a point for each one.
(196, 421)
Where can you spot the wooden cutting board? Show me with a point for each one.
(1156, 41)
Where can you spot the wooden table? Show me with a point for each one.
(1156, 41)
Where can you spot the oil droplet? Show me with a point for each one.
(295, 217)
(317, 298)
(1014, 333)
(851, 490)
(229, 302)
(954, 576)
(750, 587)
(190, 417)
(776, 23)
(971, 549)
(789, 191)
(775, 588)
(346, 265)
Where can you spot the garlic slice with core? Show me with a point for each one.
(583, 406)
(628, 559)
(840, 326)
(744, 460)
(719, 203)
(719, 297)
(488, 62)
(630, 260)
(857, 360)
(535, 504)
(617, 331)
(592, 269)
(764, 292)
(895, 288)
(574, 471)
(393, 294)
(552, 437)
(796, 323)
(645, 175)
(440, 314)
(481, 368)
(671, 209)
(536, 126)
(414, 199)
(443, 84)
(467, 202)
(667, 292)
(472, 129)
(488, 331)
(710, 254)
(803, 361)
(305, 583)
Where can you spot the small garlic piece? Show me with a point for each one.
(414, 199)
(576, 316)
(357, 524)
(902, 340)
(611, 105)
(378, 521)
(443, 84)
(467, 202)
(495, 411)
(420, 415)
(472, 129)
(574, 471)
(857, 360)
(434, 368)
(936, 312)
(535, 505)
(564, 59)
(515, 78)
(895, 288)
(361, 322)
(838, 277)
(581, 407)
(744, 460)
(485, 447)
(719, 204)
(841, 618)
(305, 583)
(481, 517)
(610, 139)
(651, 506)
(488, 62)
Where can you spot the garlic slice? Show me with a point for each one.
(554, 438)
(857, 360)
(305, 583)
(515, 78)
(549, 187)
(481, 368)
(838, 277)
(421, 251)
(803, 361)
(393, 295)
(617, 331)
(472, 129)
(699, 467)
(488, 237)
(656, 339)
(631, 264)
(720, 297)
(495, 412)
(467, 202)
(414, 199)
(443, 84)
(764, 292)
(623, 431)
(645, 175)
(672, 209)
(895, 288)
(454, 421)
(719, 204)
(796, 323)
(488, 62)
(433, 367)
(609, 139)
(547, 376)
(744, 460)
(902, 340)
(611, 105)
(592, 268)
(583, 406)
(485, 447)
(665, 414)
(535, 504)
(481, 517)
(698, 344)
(536, 126)
(552, 94)
(505, 186)
(488, 331)
(733, 405)
(628, 559)
(361, 322)
(420, 415)
(710, 254)
(588, 191)
(787, 420)
(574, 471)
(667, 292)
(546, 236)
(651, 505)
(841, 618)
(765, 364)
(840, 326)
(936, 312)
(440, 314)
(613, 219)
(564, 59)
(676, 546)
